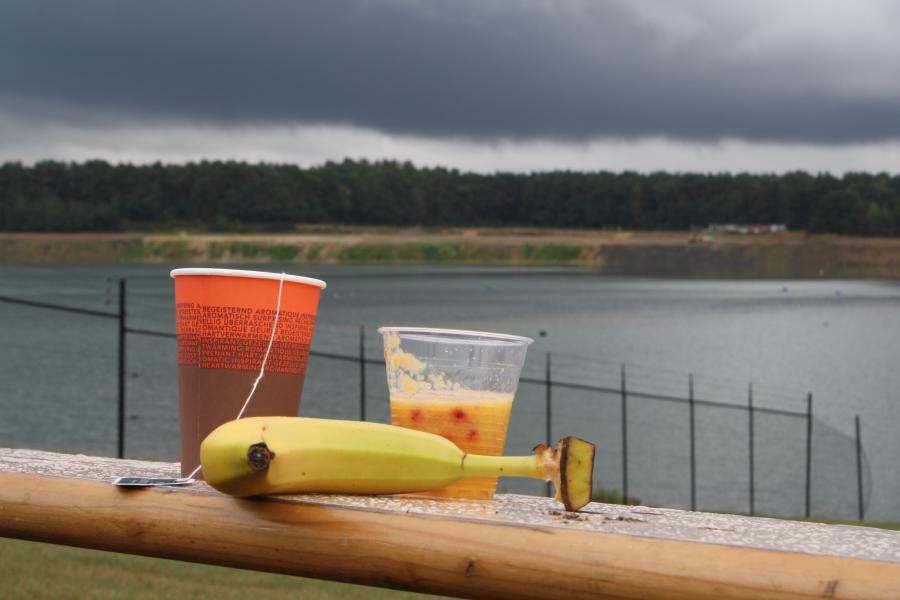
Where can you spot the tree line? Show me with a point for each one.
(237, 196)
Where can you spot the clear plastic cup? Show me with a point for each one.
(457, 384)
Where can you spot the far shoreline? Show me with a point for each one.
(673, 253)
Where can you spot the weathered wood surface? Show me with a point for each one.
(514, 547)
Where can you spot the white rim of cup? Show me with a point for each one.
(252, 274)
(460, 332)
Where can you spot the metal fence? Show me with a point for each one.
(625, 393)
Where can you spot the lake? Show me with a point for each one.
(838, 339)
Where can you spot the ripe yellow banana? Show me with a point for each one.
(277, 455)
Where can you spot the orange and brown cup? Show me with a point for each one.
(224, 322)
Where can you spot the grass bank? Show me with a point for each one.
(35, 571)
(370, 247)
(683, 254)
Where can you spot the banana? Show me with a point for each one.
(278, 455)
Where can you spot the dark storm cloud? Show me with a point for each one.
(482, 70)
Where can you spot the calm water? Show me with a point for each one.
(839, 340)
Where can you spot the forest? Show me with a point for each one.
(55, 196)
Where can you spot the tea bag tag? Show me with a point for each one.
(140, 482)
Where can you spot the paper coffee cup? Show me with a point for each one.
(224, 322)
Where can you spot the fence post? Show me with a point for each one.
(549, 416)
(624, 438)
(693, 455)
(121, 442)
(362, 372)
(751, 454)
(859, 475)
(809, 401)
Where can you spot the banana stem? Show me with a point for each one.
(476, 465)
(546, 463)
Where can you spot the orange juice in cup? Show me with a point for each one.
(474, 421)
(457, 384)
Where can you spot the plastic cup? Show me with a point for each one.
(457, 384)
(224, 320)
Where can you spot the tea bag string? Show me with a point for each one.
(262, 367)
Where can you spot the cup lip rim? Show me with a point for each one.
(459, 332)
(244, 273)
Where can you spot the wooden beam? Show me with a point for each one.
(516, 547)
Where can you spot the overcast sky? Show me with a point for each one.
(483, 85)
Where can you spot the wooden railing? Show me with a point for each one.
(514, 547)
